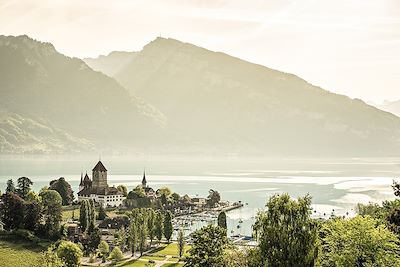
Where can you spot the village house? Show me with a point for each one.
(98, 189)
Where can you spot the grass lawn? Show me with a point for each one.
(135, 263)
(172, 249)
(149, 257)
(172, 264)
(18, 253)
(67, 214)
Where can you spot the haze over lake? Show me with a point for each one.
(336, 185)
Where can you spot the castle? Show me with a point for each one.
(98, 189)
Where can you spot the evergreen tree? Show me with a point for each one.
(158, 229)
(168, 225)
(23, 186)
(133, 237)
(12, 208)
(142, 237)
(222, 220)
(10, 186)
(91, 215)
(32, 215)
(150, 223)
(181, 243)
(102, 213)
(84, 215)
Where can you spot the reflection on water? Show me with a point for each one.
(335, 185)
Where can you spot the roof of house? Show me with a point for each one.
(148, 189)
(100, 190)
(115, 223)
(99, 167)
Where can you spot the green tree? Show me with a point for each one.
(123, 190)
(32, 215)
(213, 198)
(91, 215)
(175, 197)
(23, 186)
(64, 189)
(142, 229)
(50, 259)
(181, 243)
(32, 196)
(102, 213)
(12, 210)
(116, 254)
(164, 191)
(10, 186)
(168, 226)
(222, 220)
(52, 212)
(104, 248)
(360, 241)
(285, 232)
(208, 247)
(70, 253)
(151, 223)
(84, 215)
(133, 237)
(94, 240)
(158, 227)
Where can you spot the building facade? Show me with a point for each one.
(98, 189)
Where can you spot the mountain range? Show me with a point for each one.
(390, 106)
(176, 98)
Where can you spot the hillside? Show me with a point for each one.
(43, 85)
(391, 106)
(111, 63)
(223, 104)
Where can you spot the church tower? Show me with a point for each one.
(99, 176)
(144, 182)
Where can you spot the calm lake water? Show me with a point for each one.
(336, 185)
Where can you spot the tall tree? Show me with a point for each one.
(23, 186)
(142, 237)
(92, 215)
(222, 220)
(32, 215)
(150, 223)
(181, 243)
(158, 227)
(12, 208)
(102, 213)
(10, 186)
(133, 237)
(84, 215)
(52, 212)
(168, 225)
(208, 247)
(286, 233)
(64, 189)
(94, 240)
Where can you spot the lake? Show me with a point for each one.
(336, 185)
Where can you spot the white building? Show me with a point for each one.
(98, 189)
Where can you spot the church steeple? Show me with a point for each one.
(144, 182)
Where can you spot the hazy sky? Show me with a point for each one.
(346, 46)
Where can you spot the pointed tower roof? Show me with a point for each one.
(81, 184)
(144, 182)
(86, 178)
(99, 167)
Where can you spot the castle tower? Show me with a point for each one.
(99, 177)
(81, 185)
(144, 182)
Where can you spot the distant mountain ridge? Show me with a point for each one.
(111, 63)
(39, 83)
(221, 103)
(391, 106)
